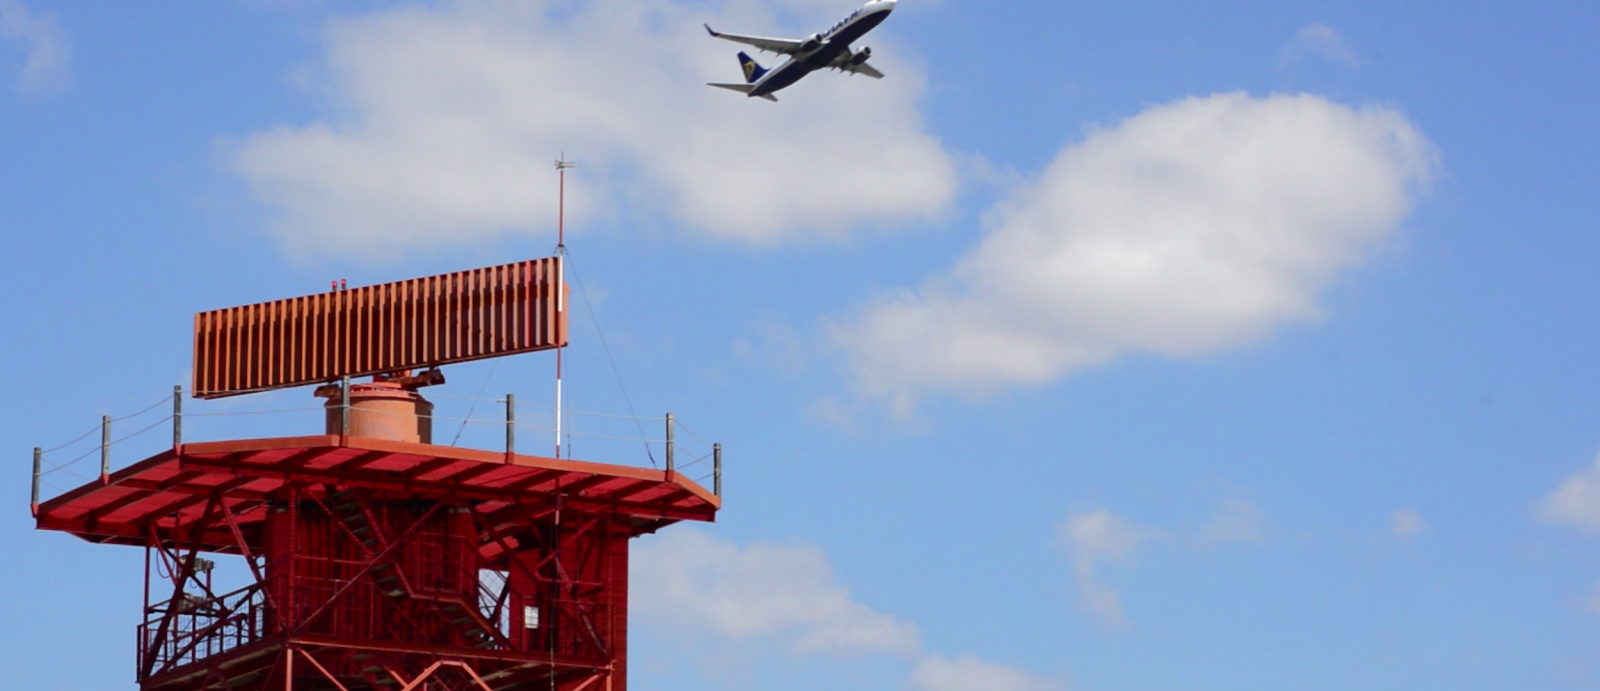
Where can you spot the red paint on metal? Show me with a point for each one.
(423, 322)
(167, 492)
(382, 561)
(369, 557)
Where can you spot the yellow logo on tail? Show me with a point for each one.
(749, 70)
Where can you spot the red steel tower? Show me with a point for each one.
(379, 560)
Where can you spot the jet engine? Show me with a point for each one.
(864, 55)
(812, 42)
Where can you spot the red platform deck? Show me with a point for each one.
(170, 490)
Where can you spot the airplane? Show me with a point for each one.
(823, 50)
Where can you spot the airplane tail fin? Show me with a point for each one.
(752, 70)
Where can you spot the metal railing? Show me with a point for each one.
(608, 432)
(201, 627)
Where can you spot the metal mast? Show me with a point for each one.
(561, 251)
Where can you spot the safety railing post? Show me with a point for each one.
(670, 466)
(105, 449)
(344, 409)
(177, 417)
(38, 463)
(716, 469)
(511, 426)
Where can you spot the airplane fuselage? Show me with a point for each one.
(835, 42)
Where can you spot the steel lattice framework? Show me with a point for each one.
(381, 565)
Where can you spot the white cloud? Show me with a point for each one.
(761, 590)
(1239, 522)
(1320, 40)
(688, 579)
(1190, 228)
(447, 119)
(1093, 538)
(1577, 501)
(967, 673)
(1406, 524)
(47, 52)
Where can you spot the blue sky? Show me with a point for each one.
(1100, 346)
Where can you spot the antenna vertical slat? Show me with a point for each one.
(546, 305)
(502, 299)
(498, 315)
(436, 318)
(253, 339)
(263, 355)
(452, 320)
(403, 314)
(303, 339)
(296, 364)
(380, 332)
(394, 342)
(266, 329)
(202, 352)
(519, 306)
(405, 352)
(372, 329)
(540, 304)
(349, 344)
(289, 343)
(441, 322)
(430, 320)
(489, 326)
(225, 349)
(469, 312)
(328, 335)
(475, 335)
(358, 331)
(559, 285)
(485, 298)
(230, 373)
(480, 285)
(314, 348)
(542, 301)
(376, 322)
(383, 345)
(462, 314)
(275, 345)
(205, 352)
(232, 347)
(508, 317)
(551, 272)
(240, 334)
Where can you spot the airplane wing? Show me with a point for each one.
(781, 46)
(863, 69)
(846, 63)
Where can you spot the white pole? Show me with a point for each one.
(561, 280)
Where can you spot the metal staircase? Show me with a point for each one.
(461, 613)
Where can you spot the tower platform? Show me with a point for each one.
(379, 564)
